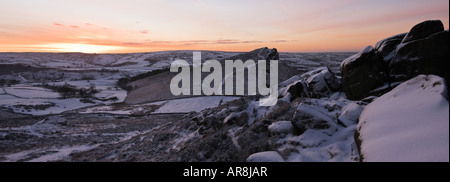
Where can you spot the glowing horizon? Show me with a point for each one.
(107, 26)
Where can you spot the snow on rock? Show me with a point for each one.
(311, 138)
(387, 46)
(355, 58)
(239, 118)
(409, 123)
(350, 114)
(318, 146)
(289, 81)
(281, 127)
(318, 137)
(312, 117)
(268, 156)
(321, 82)
(297, 89)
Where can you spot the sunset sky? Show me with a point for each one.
(103, 26)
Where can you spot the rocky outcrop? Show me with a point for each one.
(321, 82)
(429, 55)
(318, 83)
(298, 89)
(375, 71)
(423, 30)
(242, 130)
(362, 73)
(386, 47)
(284, 71)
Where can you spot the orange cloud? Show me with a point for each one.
(58, 24)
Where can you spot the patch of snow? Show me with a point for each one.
(281, 127)
(60, 105)
(195, 104)
(105, 109)
(232, 116)
(31, 92)
(9, 100)
(54, 154)
(180, 142)
(268, 156)
(107, 94)
(311, 138)
(317, 146)
(255, 111)
(409, 123)
(350, 114)
(352, 58)
(60, 153)
(232, 134)
(124, 110)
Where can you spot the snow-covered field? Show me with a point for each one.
(103, 70)
(81, 71)
(41, 106)
(185, 105)
(29, 99)
(31, 92)
(132, 63)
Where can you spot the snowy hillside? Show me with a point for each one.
(118, 107)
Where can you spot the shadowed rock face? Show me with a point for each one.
(423, 50)
(423, 30)
(429, 55)
(362, 73)
(386, 47)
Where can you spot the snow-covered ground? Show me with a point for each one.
(84, 71)
(132, 63)
(91, 124)
(41, 106)
(31, 92)
(185, 105)
(410, 123)
(124, 109)
(30, 99)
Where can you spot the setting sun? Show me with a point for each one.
(72, 47)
